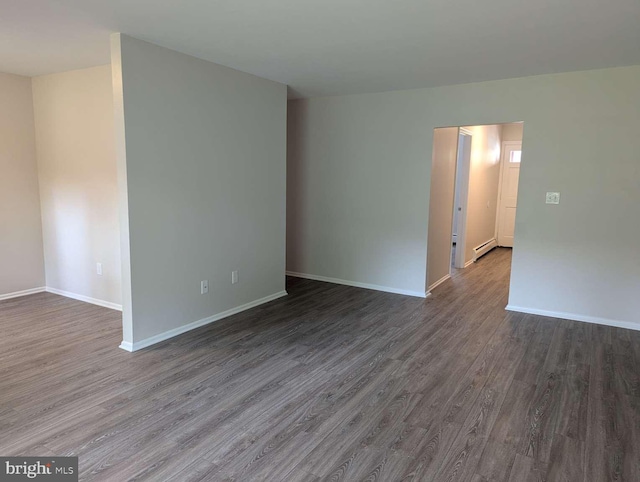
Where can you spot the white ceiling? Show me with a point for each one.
(327, 47)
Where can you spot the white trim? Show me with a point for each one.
(17, 294)
(152, 340)
(483, 249)
(126, 345)
(357, 284)
(440, 281)
(466, 132)
(576, 317)
(86, 299)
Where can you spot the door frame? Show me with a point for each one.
(461, 235)
(503, 149)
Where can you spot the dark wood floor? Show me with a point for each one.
(332, 383)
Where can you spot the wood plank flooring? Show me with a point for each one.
(329, 383)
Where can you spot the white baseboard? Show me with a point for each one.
(484, 248)
(357, 284)
(469, 263)
(440, 281)
(152, 340)
(126, 345)
(17, 294)
(575, 317)
(86, 299)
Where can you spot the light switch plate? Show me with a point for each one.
(553, 198)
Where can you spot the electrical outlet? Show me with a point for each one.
(234, 277)
(553, 198)
(99, 269)
(204, 286)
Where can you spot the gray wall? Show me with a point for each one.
(205, 151)
(78, 184)
(358, 189)
(21, 258)
(359, 186)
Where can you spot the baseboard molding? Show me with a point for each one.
(126, 345)
(469, 263)
(439, 282)
(575, 317)
(484, 248)
(357, 284)
(86, 299)
(18, 294)
(138, 345)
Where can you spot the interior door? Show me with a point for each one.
(511, 156)
(462, 195)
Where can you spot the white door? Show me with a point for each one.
(459, 172)
(462, 194)
(511, 154)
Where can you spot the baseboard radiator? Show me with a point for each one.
(483, 249)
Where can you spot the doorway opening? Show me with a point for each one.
(473, 201)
